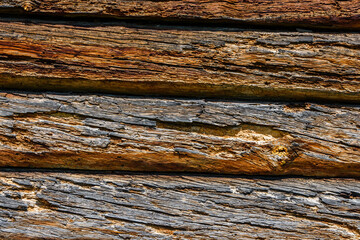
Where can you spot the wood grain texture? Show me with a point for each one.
(149, 134)
(311, 13)
(204, 62)
(84, 206)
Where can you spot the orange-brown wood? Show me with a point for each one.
(202, 62)
(310, 13)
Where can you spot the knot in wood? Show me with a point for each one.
(29, 5)
(280, 151)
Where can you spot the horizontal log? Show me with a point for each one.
(313, 13)
(149, 134)
(180, 62)
(84, 206)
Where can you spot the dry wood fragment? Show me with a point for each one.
(150, 134)
(314, 13)
(84, 206)
(180, 62)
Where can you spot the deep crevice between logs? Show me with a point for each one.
(18, 14)
(176, 89)
(100, 173)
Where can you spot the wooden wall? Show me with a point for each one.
(179, 119)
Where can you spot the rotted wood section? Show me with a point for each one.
(344, 14)
(179, 61)
(44, 205)
(176, 135)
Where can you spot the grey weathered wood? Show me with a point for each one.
(104, 132)
(178, 61)
(85, 206)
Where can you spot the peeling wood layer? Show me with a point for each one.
(212, 63)
(84, 206)
(154, 134)
(313, 13)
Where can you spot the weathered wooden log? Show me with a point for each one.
(313, 13)
(148, 134)
(84, 206)
(180, 62)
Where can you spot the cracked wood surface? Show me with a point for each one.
(310, 13)
(179, 61)
(153, 134)
(88, 206)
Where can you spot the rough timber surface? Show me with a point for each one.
(314, 13)
(179, 61)
(154, 134)
(84, 206)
